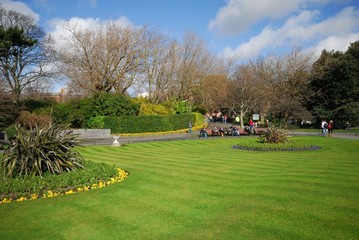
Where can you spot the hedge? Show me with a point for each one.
(141, 124)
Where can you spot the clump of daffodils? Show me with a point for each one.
(121, 176)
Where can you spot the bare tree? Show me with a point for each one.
(103, 59)
(285, 81)
(24, 57)
(160, 66)
(244, 91)
(195, 63)
(214, 92)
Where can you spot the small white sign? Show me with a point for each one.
(255, 116)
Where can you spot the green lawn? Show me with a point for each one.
(204, 189)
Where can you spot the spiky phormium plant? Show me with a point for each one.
(41, 149)
(274, 135)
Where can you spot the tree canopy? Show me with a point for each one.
(334, 82)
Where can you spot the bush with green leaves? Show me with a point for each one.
(155, 123)
(40, 150)
(274, 135)
(77, 112)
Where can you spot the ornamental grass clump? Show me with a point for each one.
(274, 135)
(40, 150)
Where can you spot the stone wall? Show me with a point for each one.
(92, 133)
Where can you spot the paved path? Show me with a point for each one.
(195, 135)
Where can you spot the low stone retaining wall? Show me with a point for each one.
(92, 133)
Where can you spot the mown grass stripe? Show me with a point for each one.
(196, 189)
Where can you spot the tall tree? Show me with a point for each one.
(244, 94)
(334, 81)
(284, 80)
(23, 54)
(160, 66)
(103, 59)
(214, 92)
(195, 63)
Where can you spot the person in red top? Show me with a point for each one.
(251, 125)
(330, 128)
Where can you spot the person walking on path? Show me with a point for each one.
(251, 125)
(330, 128)
(324, 126)
(190, 127)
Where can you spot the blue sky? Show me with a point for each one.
(242, 29)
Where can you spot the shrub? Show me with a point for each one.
(141, 124)
(77, 112)
(10, 132)
(40, 150)
(274, 135)
(110, 104)
(74, 112)
(147, 108)
(31, 120)
(96, 122)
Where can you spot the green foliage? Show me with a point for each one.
(40, 150)
(147, 108)
(182, 107)
(274, 135)
(275, 147)
(37, 106)
(96, 122)
(9, 111)
(10, 132)
(92, 173)
(110, 104)
(170, 105)
(77, 112)
(138, 124)
(156, 123)
(13, 38)
(334, 80)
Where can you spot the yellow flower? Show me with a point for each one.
(80, 189)
(101, 184)
(21, 199)
(5, 200)
(50, 193)
(34, 196)
(69, 192)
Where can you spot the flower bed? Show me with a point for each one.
(94, 176)
(275, 147)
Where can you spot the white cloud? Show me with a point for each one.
(58, 28)
(336, 43)
(19, 7)
(302, 30)
(238, 15)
